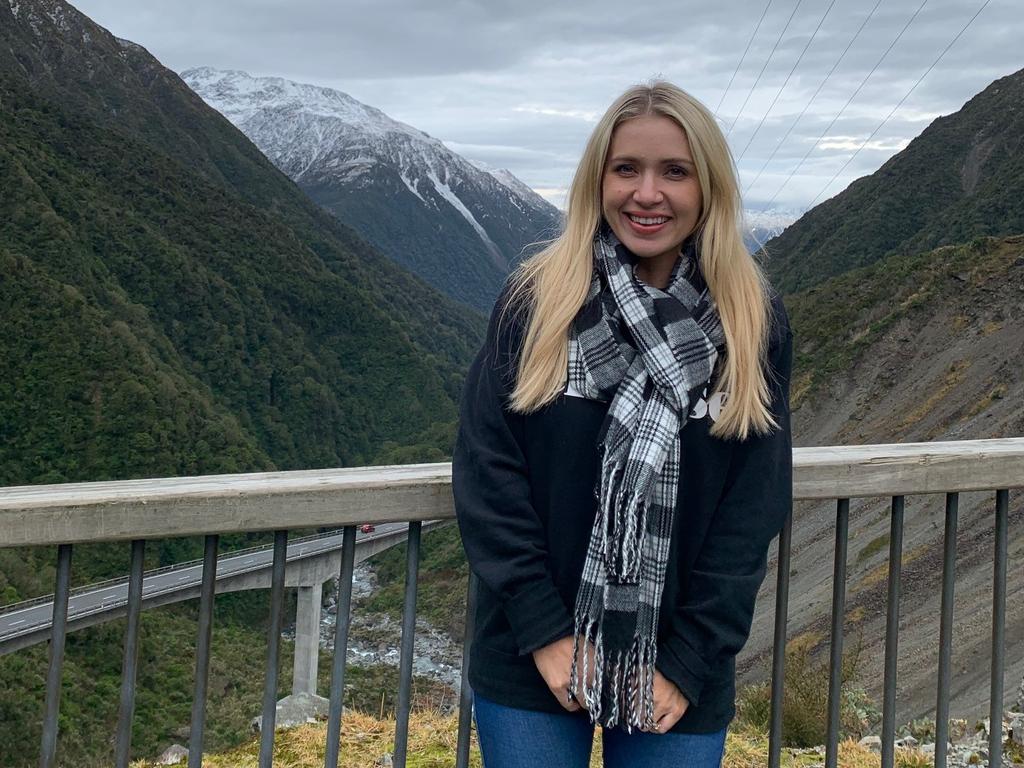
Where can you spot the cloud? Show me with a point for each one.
(520, 85)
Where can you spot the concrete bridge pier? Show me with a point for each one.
(307, 638)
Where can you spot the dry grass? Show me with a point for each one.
(364, 740)
(432, 738)
(880, 572)
(998, 392)
(956, 374)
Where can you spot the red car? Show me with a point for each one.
(367, 528)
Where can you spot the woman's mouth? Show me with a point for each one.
(646, 225)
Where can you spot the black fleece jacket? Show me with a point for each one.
(524, 498)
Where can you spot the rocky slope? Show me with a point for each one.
(459, 227)
(921, 348)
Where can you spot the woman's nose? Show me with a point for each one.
(647, 191)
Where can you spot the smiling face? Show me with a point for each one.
(650, 195)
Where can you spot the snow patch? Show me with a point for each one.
(447, 193)
(58, 17)
(15, 7)
(408, 181)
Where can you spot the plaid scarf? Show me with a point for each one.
(650, 352)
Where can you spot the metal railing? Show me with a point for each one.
(144, 510)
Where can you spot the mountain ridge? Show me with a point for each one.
(434, 212)
(960, 178)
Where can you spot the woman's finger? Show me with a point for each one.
(666, 722)
(570, 702)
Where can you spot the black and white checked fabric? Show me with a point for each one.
(649, 352)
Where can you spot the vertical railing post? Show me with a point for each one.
(946, 631)
(269, 717)
(53, 675)
(412, 565)
(465, 692)
(341, 625)
(779, 651)
(835, 676)
(892, 630)
(203, 636)
(123, 744)
(995, 731)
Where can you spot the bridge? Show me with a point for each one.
(310, 562)
(140, 510)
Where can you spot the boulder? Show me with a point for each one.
(297, 709)
(874, 743)
(1017, 728)
(173, 755)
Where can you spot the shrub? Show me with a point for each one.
(805, 699)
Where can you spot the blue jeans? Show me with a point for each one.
(522, 738)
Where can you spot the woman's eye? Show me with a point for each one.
(676, 171)
(624, 168)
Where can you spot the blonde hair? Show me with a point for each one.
(552, 285)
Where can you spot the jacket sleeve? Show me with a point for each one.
(504, 539)
(713, 621)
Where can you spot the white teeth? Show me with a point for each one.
(642, 220)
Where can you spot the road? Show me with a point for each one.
(106, 596)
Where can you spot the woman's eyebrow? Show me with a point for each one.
(666, 161)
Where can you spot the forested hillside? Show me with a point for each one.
(172, 304)
(961, 178)
(180, 306)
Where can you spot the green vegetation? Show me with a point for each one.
(838, 320)
(174, 305)
(873, 547)
(805, 699)
(91, 680)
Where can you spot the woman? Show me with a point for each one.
(624, 457)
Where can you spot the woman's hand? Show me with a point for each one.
(554, 662)
(669, 704)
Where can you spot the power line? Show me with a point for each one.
(900, 103)
(784, 84)
(743, 57)
(766, 63)
(821, 85)
(848, 101)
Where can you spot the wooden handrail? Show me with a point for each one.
(188, 506)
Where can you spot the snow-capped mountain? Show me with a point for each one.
(459, 227)
(761, 226)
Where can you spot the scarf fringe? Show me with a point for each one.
(625, 679)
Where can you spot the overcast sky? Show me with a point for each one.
(520, 84)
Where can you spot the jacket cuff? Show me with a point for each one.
(538, 616)
(681, 665)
